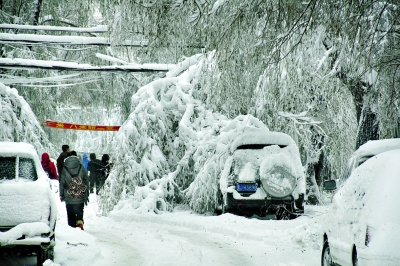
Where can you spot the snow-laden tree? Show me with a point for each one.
(85, 97)
(171, 149)
(19, 124)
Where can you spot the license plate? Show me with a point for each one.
(246, 187)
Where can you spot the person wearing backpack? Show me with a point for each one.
(74, 189)
(48, 166)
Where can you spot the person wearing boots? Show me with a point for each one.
(74, 189)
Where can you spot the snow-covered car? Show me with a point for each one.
(366, 151)
(263, 176)
(362, 226)
(28, 207)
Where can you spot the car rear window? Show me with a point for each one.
(26, 168)
(257, 146)
(7, 168)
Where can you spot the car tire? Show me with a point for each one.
(224, 210)
(44, 254)
(326, 257)
(285, 212)
(282, 214)
(355, 257)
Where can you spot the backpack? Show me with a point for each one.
(76, 188)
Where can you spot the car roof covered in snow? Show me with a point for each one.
(374, 147)
(17, 148)
(252, 135)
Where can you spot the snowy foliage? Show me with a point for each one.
(171, 149)
(19, 124)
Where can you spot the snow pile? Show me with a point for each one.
(18, 123)
(172, 149)
(24, 229)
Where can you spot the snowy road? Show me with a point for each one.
(184, 238)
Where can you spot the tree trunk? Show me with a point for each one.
(368, 128)
(36, 14)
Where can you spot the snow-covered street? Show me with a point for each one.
(185, 238)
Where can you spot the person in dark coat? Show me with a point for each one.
(48, 166)
(74, 189)
(61, 158)
(95, 169)
(105, 171)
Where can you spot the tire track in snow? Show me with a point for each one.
(116, 248)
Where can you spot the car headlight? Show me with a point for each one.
(278, 182)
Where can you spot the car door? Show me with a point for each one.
(346, 228)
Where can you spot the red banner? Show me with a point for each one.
(62, 125)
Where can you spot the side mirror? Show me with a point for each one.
(330, 185)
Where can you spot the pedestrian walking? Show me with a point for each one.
(107, 165)
(106, 169)
(61, 158)
(48, 166)
(74, 189)
(95, 169)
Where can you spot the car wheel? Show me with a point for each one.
(224, 209)
(355, 257)
(285, 212)
(326, 257)
(44, 254)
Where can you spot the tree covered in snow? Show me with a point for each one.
(19, 124)
(171, 149)
(76, 97)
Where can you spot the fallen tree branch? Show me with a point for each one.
(71, 40)
(99, 28)
(73, 66)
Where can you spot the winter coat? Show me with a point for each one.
(85, 161)
(74, 190)
(60, 161)
(48, 166)
(95, 168)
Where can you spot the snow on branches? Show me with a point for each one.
(171, 149)
(19, 124)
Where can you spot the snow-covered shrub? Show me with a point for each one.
(152, 140)
(19, 124)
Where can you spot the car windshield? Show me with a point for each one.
(26, 168)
